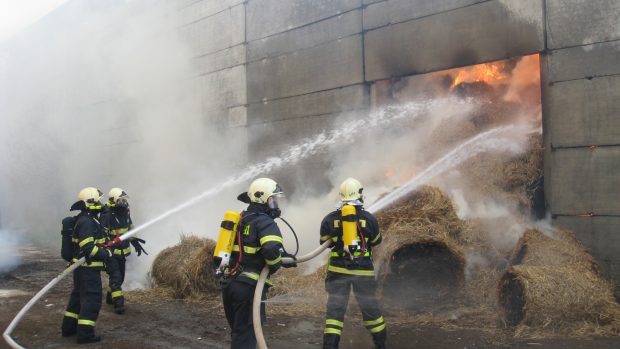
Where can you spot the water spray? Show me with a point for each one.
(300, 151)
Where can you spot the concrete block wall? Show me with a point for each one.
(581, 105)
(216, 33)
(283, 70)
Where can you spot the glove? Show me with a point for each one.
(114, 242)
(285, 254)
(136, 245)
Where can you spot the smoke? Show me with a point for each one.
(9, 251)
(103, 93)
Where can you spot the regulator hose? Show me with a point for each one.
(294, 234)
(260, 285)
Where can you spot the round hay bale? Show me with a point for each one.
(201, 271)
(537, 249)
(418, 265)
(556, 297)
(186, 267)
(427, 203)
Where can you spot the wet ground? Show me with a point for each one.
(175, 324)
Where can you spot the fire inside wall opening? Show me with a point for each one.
(428, 264)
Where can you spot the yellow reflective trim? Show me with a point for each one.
(94, 251)
(125, 251)
(325, 238)
(117, 294)
(336, 224)
(247, 249)
(374, 322)
(251, 275)
(87, 240)
(376, 238)
(100, 241)
(269, 238)
(92, 264)
(334, 238)
(86, 322)
(329, 330)
(75, 240)
(273, 261)
(254, 276)
(120, 231)
(334, 322)
(71, 315)
(377, 329)
(351, 272)
(363, 223)
(357, 254)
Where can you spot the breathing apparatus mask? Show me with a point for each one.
(273, 206)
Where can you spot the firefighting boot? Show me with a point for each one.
(86, 334)
(119, 305)
(331, 341)
(379, 339)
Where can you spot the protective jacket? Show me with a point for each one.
(87, 235)
(117, 221)
(261, 241)
(339, 260)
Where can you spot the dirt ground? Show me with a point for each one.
(178, 324)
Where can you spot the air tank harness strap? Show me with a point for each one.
(236, 268)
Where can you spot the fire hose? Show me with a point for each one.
(7, 333)
(256, 319)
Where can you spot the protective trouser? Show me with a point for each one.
(338, 287)
(238, 299)
(115, 268)
(84, 304)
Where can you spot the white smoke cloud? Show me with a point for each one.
(9, 251)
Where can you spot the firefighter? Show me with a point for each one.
(116, 221)
(88, 239)
(350, 265)
(258, 243)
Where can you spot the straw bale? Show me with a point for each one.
(537, 249)
(558, 298)
(418, 262)
(426, 204)
(186, 268)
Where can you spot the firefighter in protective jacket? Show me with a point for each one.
(116, 221)
(258, 243)
(88, 239)
(350, 266)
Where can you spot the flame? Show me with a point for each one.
(490, 73)
(400, 173)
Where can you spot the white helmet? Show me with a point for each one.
(262, 189)
(116, 194)
(351, 190)
(91, 197)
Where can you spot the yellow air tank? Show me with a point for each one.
(349, 229)
(226, 239)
